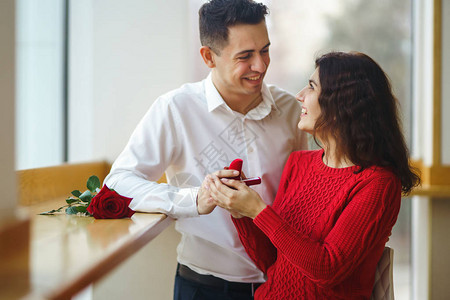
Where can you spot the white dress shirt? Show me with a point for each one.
(189, 133)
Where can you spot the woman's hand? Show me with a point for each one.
(205, 203)
(235, 196)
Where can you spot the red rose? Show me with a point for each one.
(108, 204)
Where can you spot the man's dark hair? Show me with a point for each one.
(216, 16)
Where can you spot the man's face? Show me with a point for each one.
(242, 64)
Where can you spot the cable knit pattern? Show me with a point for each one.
(325, 232)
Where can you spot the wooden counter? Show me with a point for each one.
(68, 253)
(55, 257)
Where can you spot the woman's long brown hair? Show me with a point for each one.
(359, 110)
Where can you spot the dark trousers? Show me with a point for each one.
(186, 289)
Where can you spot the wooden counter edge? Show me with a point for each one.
(14, 269)
(104, 266)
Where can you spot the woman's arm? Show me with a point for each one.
(365, 222)
(256, 243)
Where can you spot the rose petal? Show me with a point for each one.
(109, 204)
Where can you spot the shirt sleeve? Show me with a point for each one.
(150, 150)
(301, 141)
(365, 222)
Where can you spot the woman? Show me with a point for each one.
(335, 207)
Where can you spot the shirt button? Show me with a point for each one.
(250, 149)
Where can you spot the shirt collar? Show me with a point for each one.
(214, 100)
(265, 107)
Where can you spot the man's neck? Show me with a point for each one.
(243, 106)
(240, 103)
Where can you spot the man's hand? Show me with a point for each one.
(205, 203)
(236, 197)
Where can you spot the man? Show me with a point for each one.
(200, 128)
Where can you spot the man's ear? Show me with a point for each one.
(207, 56)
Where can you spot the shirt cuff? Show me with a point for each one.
(185, 204)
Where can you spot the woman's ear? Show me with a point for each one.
(207, 56)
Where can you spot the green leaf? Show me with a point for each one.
(93, 183)
(86, 196)
(81, 209)
(73, 210)
(72, 200)
(76, 193)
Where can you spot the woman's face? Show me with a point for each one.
(309, 97)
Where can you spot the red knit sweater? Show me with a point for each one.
(325, 232)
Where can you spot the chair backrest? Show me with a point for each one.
(383, 288)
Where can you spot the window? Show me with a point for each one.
(40, 83)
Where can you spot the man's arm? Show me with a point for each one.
(153, 146)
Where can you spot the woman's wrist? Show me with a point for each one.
(258, 209)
